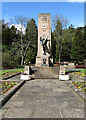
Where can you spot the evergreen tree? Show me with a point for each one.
(32, 36)
(53, 43)
(77, 50)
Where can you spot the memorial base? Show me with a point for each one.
(25, 77)
(63, 77)
(42, 61)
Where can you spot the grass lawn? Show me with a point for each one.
(13, 70)
(83, 71)
(79, 71)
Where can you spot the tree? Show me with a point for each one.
(66, 44)
(0, 43)
(84, 42)
(8, 36)
(60, 24)
(77, 50)
(32, 36)
(22, 21)
(53, 43)
(28, 42)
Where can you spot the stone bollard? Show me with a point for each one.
(62, 70)
(62, 75)
(27, 70)
(26, 75)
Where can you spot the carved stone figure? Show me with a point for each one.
(44, 43)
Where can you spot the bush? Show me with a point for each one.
(80, 63)
(8, 60)
(19, 66)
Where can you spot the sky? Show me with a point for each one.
(73, 11)
(43, 0)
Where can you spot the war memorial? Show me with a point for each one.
(44, 57)
(43, 95)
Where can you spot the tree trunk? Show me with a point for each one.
(21, 48)
(22, 60)
(59, 57)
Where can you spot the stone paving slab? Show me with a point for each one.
(18, 113)
(45, 112)
(44, 98)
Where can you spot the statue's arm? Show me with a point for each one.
(40, 38)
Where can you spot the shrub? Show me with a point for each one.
(19, 66)
(8, 60)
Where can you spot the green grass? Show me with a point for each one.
(19, 70)
(83, 71)
(80, 70)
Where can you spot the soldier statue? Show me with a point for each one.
(44, 44)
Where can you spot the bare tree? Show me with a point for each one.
(60, 25)
(22, 22)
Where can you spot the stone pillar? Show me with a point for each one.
(27, 70)
(44, 31)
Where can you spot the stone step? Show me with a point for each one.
(45, 72)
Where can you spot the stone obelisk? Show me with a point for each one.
(43, 57)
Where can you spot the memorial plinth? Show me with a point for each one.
(44, 40)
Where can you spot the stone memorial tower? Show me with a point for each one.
(44, 57)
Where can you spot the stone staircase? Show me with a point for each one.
(45, 72)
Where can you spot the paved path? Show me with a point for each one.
(44, 98)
